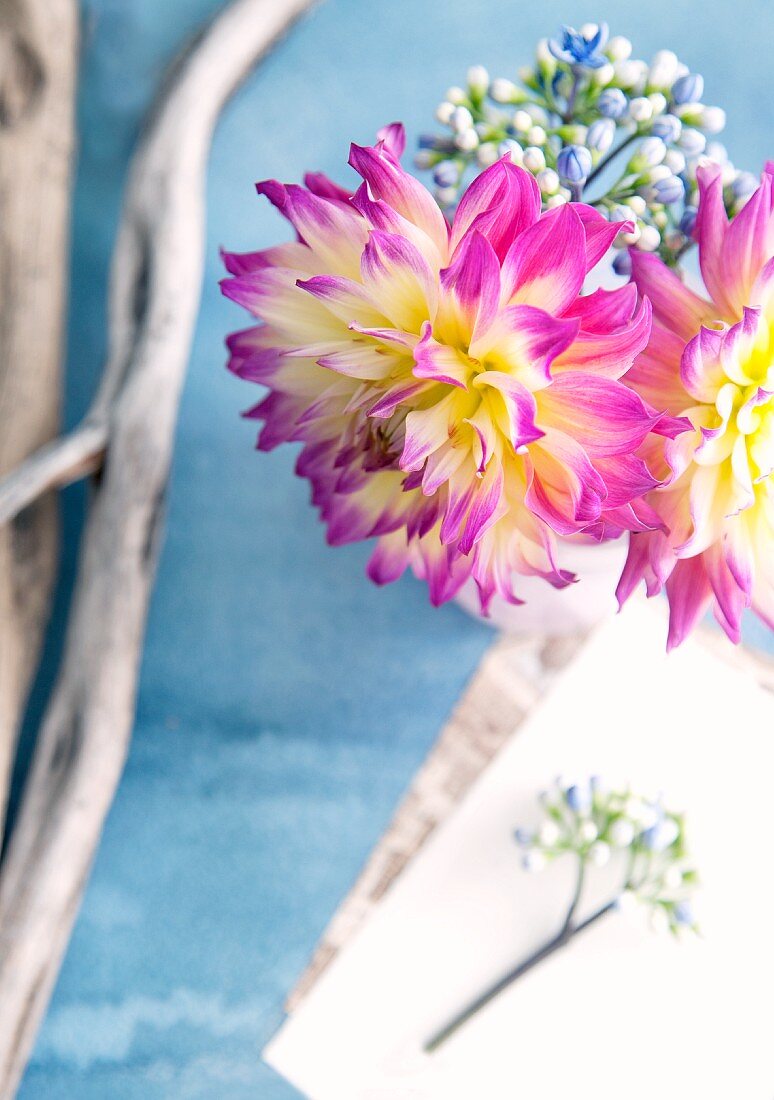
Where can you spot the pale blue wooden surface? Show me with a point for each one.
(285, 703)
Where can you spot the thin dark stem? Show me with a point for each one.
(611, 156)
(567, 116)
(564, 937)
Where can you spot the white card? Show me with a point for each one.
(623, 1013)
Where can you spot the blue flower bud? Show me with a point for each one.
(446, 174)
(668, 190)
(601, 135)
(577, 797)
(692, 141)
(612, 103)
(573, 164)
(523, 837)
(683, 913)
(667, 127)
(688, 220)
(688, 89)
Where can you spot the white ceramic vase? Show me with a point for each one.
(558, 611)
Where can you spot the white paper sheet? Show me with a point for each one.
(623, 1013)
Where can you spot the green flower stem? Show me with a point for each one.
(612, 155)
(568, 930)
(564, 937)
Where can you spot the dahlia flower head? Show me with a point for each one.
(455, 395)
(711, 360)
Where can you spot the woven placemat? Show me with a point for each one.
(514, 674)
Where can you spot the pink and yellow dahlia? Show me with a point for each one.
(456, 396)
(712, 361)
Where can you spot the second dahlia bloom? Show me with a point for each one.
(456, 396)
(712, 361)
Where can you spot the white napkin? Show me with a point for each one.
(623, 1013)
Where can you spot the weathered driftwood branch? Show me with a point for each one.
(85, 733)
(37, 80)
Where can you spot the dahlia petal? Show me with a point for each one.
(442, 465)
(701, 369)
(600, 233)
(380, 215)
(272, 294)
(690, 594)
(546, 265)
(762, 293)
(604, 310)
(394, 396)
(488, 505)
(604, 416)
(564, 489)
(710, 232)
(359, 360)
(390, 558)
(325, 188)
(737, 348)
(519, 404)
(473, 279)
(748, 244)
(426, 430)
(393, 139)
(388, 181)
(607, 354)
(346, 299)
(335, 233)
(654, 373)
(500, 203)
(730, 600)
(673, 303)
(637, 568)
(525, 341)
(438, 361)
(397, 275)
(626, 478)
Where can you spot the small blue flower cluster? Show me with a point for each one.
(581, 107)
(597, 824)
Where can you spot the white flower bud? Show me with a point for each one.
(522, 121)
(717, 151)
(727, 174)
(544, 55)
(663, 69)
(534, 159)
(659, 921)
(456, 95)
(630, 74)
(503, 91)
(713, 119)
(444, 112)
(487, 154)
(649, 239)
(661, 219)
(603, 76)
(588, 30)
(675, 161)
(641, 109)
(461, 119)
(536, 135)
(549, 833)
(423, 159)
(467, 141)
(658, 102)
(445, 196)
(619, 48)
(526, 73)
(548, 181)
(512, 148)
(478, 79)
(599, 853)
(637, 205)
(658, 172)
(534, 860)
(621, 833)
(557, 200)
(628, 238)
(588, 831)
(649, 153)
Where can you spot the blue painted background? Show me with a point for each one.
(284, 702)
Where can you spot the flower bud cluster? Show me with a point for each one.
(598, 825)
(583, 101)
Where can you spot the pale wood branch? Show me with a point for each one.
(37, 88)
(85, 733)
